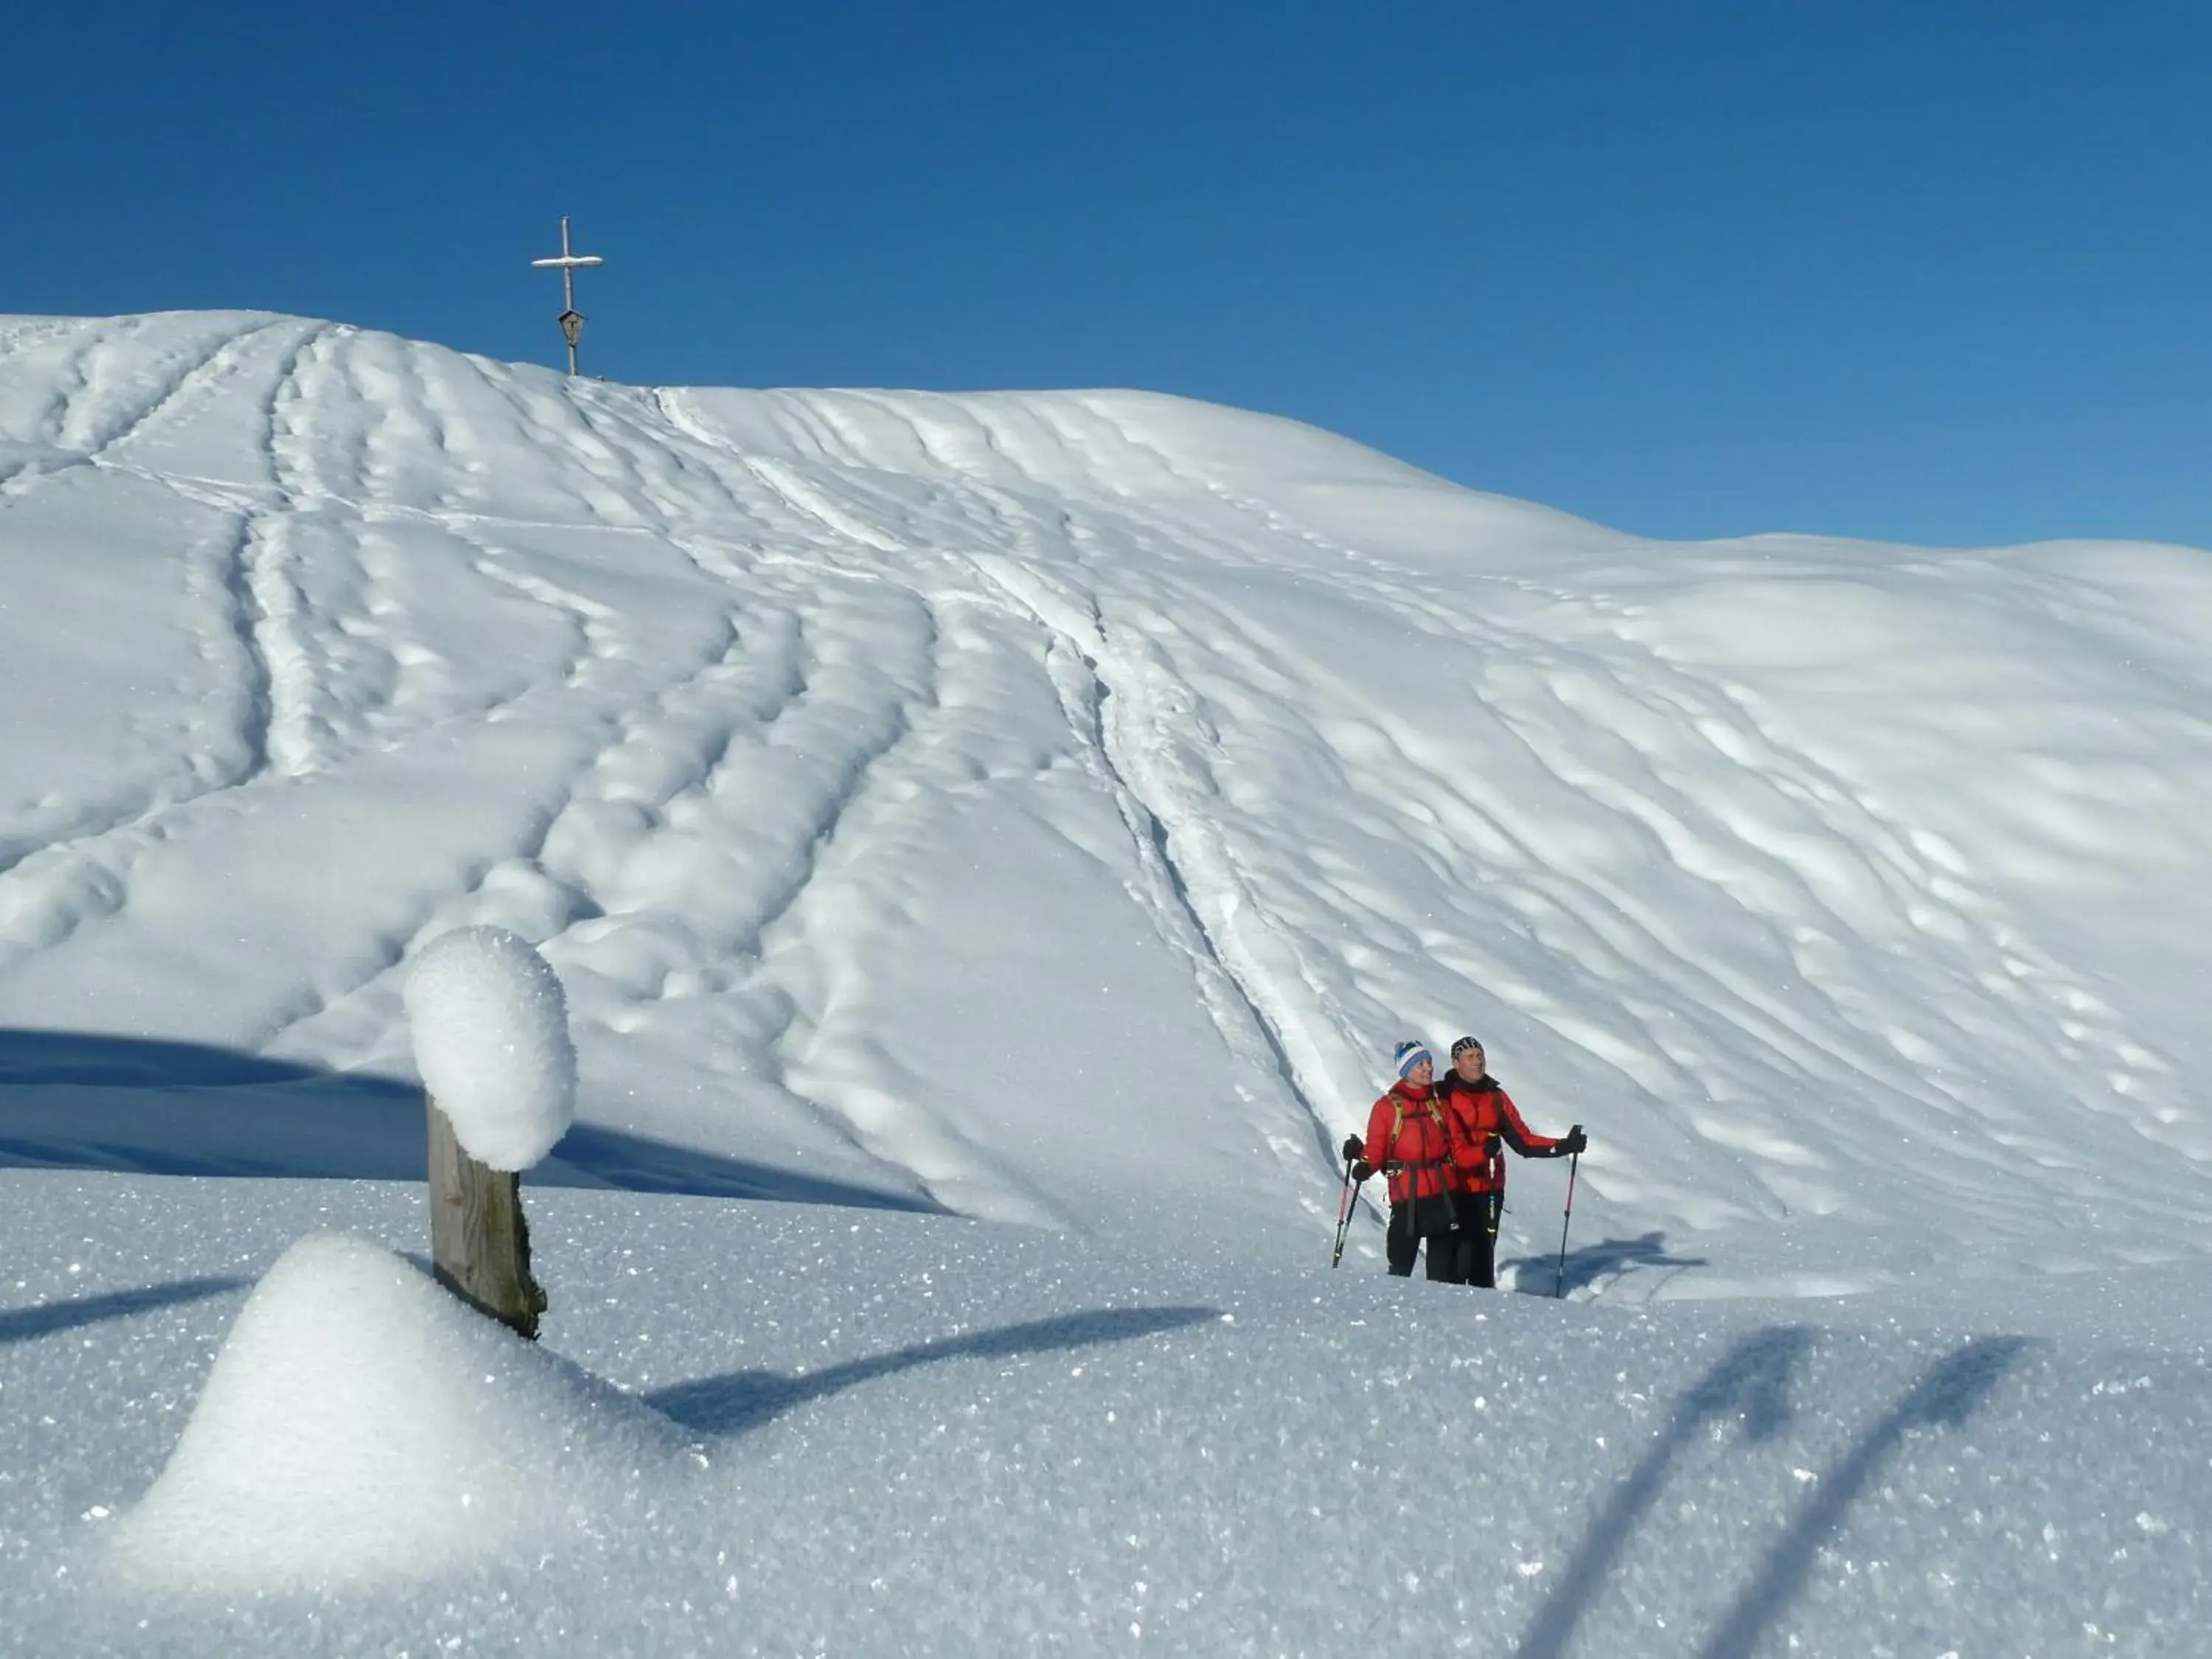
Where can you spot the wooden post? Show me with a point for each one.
(479, 1242)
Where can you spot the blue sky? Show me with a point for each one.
(1932, 272)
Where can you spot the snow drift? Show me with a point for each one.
(362, 1422)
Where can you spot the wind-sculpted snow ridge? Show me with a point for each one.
(1049, 807)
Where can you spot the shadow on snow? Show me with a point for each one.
(737, 1400)
(1948, 1393)
(1751, 1383)
(21, 1324)
(1592, 1264)
(135, 1106)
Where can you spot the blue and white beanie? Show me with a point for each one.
(1409, 1054)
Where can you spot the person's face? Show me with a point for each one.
(1422, 1074)
(1469, 1064)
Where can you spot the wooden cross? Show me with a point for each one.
(572, 320)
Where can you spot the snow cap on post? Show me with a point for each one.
(491, 1028)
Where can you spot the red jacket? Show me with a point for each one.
(1481, 1114)
(1410, 1139)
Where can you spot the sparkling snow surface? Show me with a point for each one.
(1048, 809)
(927, 1436)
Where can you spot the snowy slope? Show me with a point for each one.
(1049, 807)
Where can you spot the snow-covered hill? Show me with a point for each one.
(1049, 807)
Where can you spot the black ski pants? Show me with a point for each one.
(1414, 1220)
(1475, 1241)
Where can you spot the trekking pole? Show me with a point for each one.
(1559, 1279)
(1344, 1209)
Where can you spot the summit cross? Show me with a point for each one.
(572, 320)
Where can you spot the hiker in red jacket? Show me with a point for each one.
(1409, 1140)
(1483, 1121)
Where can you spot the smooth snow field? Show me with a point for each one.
(988, 845)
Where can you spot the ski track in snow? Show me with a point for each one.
(704, 681)
(1164, 887)
(95, 859)
(1939, 902)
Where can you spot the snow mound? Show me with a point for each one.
(361, 1423)
(491, 1028)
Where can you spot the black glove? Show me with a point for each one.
(1573, 1144)
(1361, 1171)
(1352, 1149)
